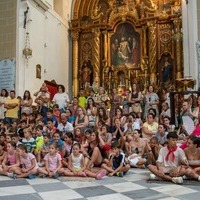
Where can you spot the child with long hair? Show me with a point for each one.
(10, 163)
(76, 162)
(28, 161)
(61, 146)
(53, 165)
(68, 142)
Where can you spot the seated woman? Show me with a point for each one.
(135, 148)
(150, 127)
(81, 120)
(94, 157)
(118, 132)
(153, 111)
(192, 153)
(131, 124)
(105, 140)
(102, 116)
(169, 127)
(119, 115)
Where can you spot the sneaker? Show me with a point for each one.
(31, 176)
(185, 177)
(120, 174)
(56, 175)
(152, 176)
(12, 175)
(178, 180)
(101, 174)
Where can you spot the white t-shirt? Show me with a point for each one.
(170, 164)
(67, 128)
(61, 99)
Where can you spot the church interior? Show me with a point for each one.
(97, 89)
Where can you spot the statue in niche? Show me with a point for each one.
(86, 72)
(121, 78)
(166, 70)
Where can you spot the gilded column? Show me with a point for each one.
(105, 36)
(96, 56)
(75, 36)
(144, 45)
(152, 52)
(178, 44)
(105, 61)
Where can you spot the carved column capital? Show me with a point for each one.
(75, 35)
(152, 24)
(96, 32)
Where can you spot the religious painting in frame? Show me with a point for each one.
(125, 46)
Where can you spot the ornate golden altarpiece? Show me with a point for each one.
(118, 42)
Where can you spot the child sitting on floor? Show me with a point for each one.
(76, 162)
(116, 164)
(53, 166)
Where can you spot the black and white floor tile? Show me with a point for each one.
(133, 185)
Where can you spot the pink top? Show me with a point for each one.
(196, 131)
(183, 145)
(27, 161)
(12, 158)
(53, 161)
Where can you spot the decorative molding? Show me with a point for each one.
(41, 4)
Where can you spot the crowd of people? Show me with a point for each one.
(97, 135)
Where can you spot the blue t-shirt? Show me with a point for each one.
(53, 118)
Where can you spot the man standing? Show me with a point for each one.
(12, 106)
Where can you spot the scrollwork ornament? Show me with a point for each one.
(75, 35)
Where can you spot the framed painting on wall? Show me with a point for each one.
(125, 46)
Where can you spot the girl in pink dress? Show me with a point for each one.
(53, 165)
(28, 162)
(10, 163)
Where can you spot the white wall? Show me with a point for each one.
(45, 29)
(190, 37)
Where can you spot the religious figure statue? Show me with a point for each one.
(166, 70)
(86, 72)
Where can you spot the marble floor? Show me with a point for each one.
(134, 185)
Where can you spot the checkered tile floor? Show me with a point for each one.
(133, 185)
